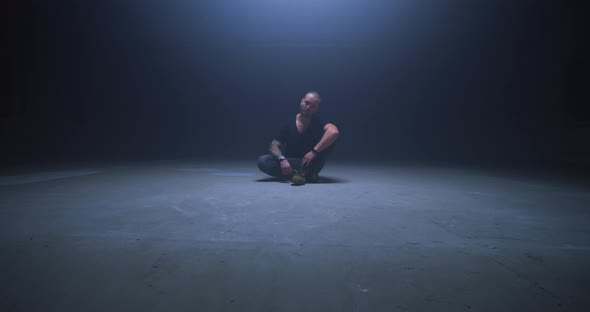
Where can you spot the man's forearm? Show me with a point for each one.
(275, 149)
(327, 139)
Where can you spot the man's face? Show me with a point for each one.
(309, 105)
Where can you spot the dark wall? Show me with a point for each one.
(453, 80)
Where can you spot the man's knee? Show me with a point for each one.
(264, 162)
(318, 164)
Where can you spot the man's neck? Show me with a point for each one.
(303, 118)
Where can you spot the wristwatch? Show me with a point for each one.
(282, 158)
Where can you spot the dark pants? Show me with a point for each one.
(271, 166)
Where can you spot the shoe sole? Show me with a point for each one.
(298, 181)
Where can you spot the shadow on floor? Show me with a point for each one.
(323, 180)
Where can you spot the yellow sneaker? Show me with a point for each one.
(298, 177)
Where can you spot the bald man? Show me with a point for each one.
(298, 152)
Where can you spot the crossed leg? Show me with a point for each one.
(271, 166)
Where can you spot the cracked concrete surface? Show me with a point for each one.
(221, 236)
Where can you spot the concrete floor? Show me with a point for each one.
(222, 237)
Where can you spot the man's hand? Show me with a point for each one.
(286, 168)
(308, 158)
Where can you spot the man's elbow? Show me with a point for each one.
(334, 132)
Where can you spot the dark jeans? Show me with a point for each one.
(271, 166)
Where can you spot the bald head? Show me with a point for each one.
(314, 94)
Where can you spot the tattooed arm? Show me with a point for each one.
(275, 150)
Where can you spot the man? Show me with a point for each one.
(299, 150)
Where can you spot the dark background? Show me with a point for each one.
(457, 81)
